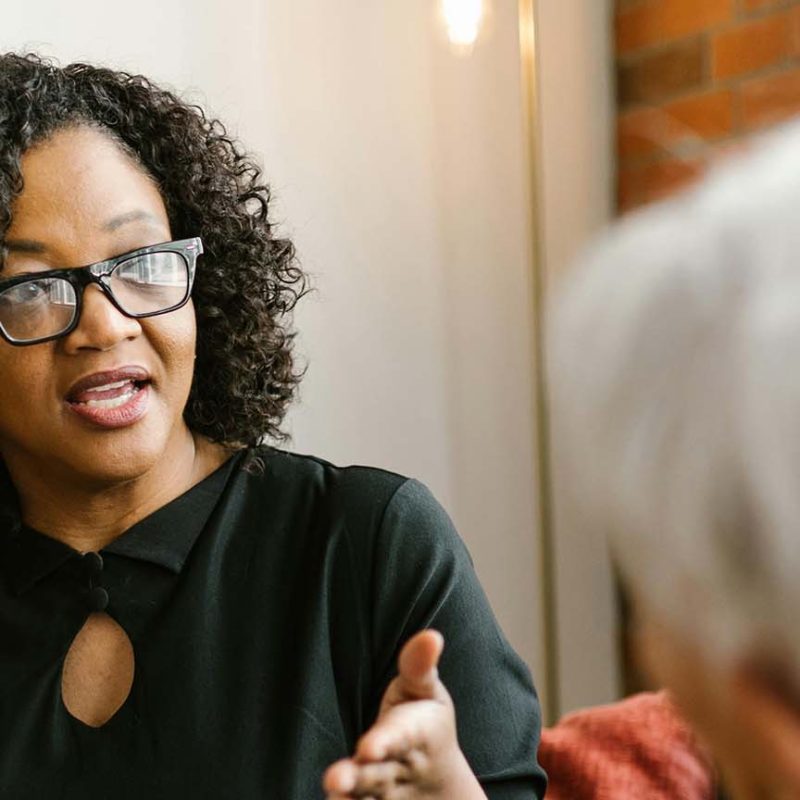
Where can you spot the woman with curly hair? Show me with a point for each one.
(186, 611)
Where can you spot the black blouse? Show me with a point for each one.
(266, 613)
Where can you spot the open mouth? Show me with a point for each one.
(111, 400)
(109, 395)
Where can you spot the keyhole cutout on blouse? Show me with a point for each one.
(98, 671)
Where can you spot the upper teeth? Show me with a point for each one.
(108, 386)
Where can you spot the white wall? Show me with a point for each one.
(400, 168)
(576, 169)
(400, 174)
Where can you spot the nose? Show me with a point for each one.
(101, 325)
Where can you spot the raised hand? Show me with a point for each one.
(412, 749)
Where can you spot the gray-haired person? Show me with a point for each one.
(675, 366)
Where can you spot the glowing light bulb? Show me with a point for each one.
(463, 19)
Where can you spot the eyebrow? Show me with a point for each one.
(131, 216)
(23, 246)
(33, 247)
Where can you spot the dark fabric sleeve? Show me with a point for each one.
(423, 578)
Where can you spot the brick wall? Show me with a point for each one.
(694, 79)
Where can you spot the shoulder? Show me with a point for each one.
(368, 495)
(354, 483)
(370, 502)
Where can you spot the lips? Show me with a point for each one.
(113, 383)
(113, 399)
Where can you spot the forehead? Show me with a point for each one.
(75, 181)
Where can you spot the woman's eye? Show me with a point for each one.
(30, 292)
(33, 291)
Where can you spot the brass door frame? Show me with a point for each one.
(530, 108)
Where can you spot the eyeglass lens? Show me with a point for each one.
(142, 285)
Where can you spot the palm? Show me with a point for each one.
(414, 736)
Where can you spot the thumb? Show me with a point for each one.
(418, 675)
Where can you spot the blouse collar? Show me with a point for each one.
(164, 538)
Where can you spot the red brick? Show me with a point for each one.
(703, 117)
(653, 77)
(751, 46)
(769, 100)
(758, 5)
(642, 131)
(710, 115)
(666, 20)
(655, 181)
(667, 177)
(794, 31)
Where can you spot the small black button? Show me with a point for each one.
(97, 599)
(94, 564)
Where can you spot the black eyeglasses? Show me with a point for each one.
(38, 307)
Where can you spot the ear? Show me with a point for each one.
(768, 704)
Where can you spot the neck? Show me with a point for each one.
(87, 515)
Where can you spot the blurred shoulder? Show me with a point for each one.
(640, 746)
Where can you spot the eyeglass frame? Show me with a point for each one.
(82, 277)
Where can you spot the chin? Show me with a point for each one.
(121, 456)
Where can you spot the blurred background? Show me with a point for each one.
(439, 164)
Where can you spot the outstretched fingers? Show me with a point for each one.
(410, 748)
(350, 779)
(403, 729)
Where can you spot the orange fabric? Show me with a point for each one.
(638, 749)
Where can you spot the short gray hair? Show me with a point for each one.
(674, 362)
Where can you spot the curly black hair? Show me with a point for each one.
(248, 281)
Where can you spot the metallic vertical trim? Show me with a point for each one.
(530, 106)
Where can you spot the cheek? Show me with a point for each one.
(660, 663)
(697, 685)
(672, 662)
(27, 374)
(173, 337)
(29, 405)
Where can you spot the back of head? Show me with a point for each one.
(674, 354)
